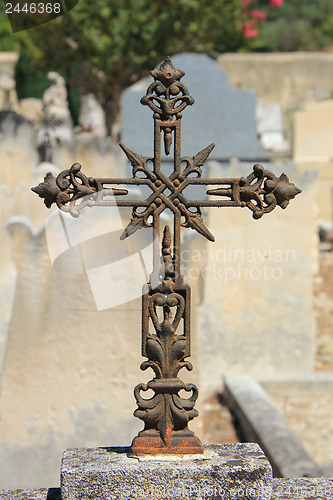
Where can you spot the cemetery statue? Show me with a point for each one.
(166, 298)
(8, 97)
(92, 116)
(55, 101)
(56, 94)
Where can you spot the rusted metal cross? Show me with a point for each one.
(166, 414)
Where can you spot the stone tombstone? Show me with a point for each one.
(69, 370)
(8, 97)
(220, 114)
(92, 116)
(313, 132)
(270, 126)
(16, 162)
(31, 108)
(253, 286)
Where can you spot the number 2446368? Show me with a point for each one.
(33, 8)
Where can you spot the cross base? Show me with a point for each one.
(149, 442)
(229, 472)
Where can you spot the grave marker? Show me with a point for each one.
(166, 414)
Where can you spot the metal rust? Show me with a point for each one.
(166, 298)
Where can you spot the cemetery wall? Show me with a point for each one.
(286, 78)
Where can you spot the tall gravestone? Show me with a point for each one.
(221, 115)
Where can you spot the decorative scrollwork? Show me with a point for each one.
(166, 411)
(167, 96)
(70, 186)
(176, 201)
(261, 191)
(166, 414)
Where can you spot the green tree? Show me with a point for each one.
(115, 42)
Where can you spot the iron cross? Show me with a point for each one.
(167, 414)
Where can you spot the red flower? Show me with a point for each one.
(249, 31)
(259, 15)
(276, 3)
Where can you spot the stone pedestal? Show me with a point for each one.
(224, 471)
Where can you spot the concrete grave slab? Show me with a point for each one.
(232, 469)
(260, 422)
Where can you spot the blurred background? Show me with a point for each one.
(261, 74)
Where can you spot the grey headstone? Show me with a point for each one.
(220, 114)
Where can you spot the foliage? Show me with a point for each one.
(29, 83)
(115, 42)
(7, 42)
(297, 25)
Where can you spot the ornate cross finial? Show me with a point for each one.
(166, 336)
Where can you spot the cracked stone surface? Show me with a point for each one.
(108, 473)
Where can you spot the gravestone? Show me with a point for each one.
(92, 116)
(8, 97)
(270, 126)
(221, 115)
(31, 108)
(313, 132)
(313, 147)
(53, 367)
(16, 162)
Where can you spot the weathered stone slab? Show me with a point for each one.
(17, 149)
(260, 422)
(313, 130)
(269, 125)
(236, 470)
(283, 489)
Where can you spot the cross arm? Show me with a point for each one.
(261, 191)
(72, 191)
